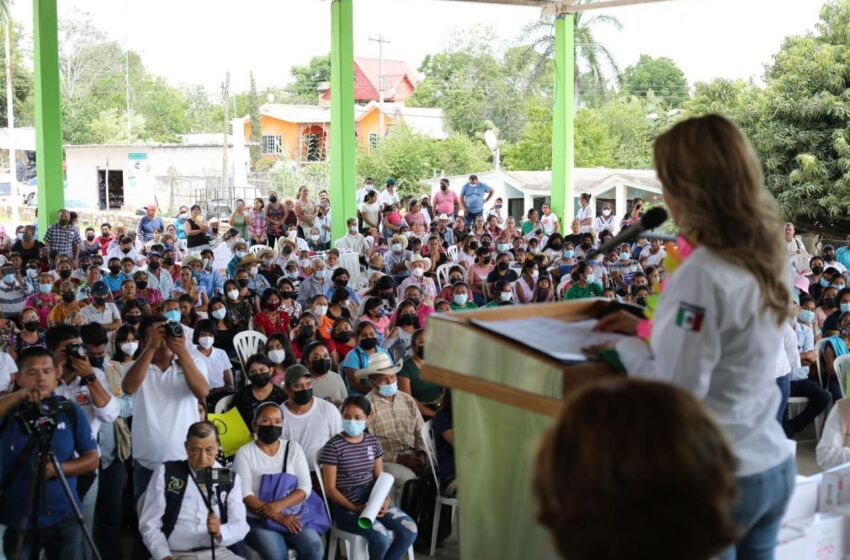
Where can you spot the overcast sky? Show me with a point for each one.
(196, 41)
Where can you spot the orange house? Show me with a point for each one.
(301, 133)
(399, 81)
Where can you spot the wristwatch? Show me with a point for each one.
(88, 379)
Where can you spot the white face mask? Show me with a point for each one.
(276, 356)
(314, 237)
(352, 230)
(606, 212)
(255, 270)
(304, 263)
(418, 271)
(233, 294)
(129, 348)
(505, 296)
(320, 310)
(396, 247)
(535, 274)
(220, 313)
(206, 342)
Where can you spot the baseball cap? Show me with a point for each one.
(100, 288)
(295, 372)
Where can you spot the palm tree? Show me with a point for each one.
(592, 58)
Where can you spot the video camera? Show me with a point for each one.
(211, 476)
(40, 417)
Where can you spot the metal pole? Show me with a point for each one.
(563, 117)
(48, 117)
(127, 71)
(380, 40)
(10, 118)
(342, 149)
(225, 92)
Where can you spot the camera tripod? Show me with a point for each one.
(41, 436)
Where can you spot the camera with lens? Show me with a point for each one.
(211, 476)
(173, 329)
(40, 416)
(76, 351)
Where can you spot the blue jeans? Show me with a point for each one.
(470, 217)
(758, 512)
(834, 389)
(141, 479)
(394, 521)
(63, 541)
(784, 384)
(272, 545)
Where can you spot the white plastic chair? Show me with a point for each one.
(431, 452)
(443, 274)
(356, 547)
(257, 248)
(247, 343)
(452, 252)
(223, 404)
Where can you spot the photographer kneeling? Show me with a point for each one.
(176, 503)
(57, 531)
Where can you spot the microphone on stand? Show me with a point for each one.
(651, 220)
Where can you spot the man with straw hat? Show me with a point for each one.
(395, 420)
(397, 258)
(418, 266)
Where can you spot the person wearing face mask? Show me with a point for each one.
(271, 319)
(144, 289)
(842, 305)
(375, 313)
(260, 389)
(125, 249)
(271, 271)
(456, 274)
(623, 270)
(240, 251)
(319, 308)
(307, 420)
(14, 291)
(502, 294)
(585, 284)
(214, 281)
(44, 299)
(606, 221)
(339, 279)
(63, 237)
(258, 227)
(395, 420)
(351, 462)
(31, 334)
(828, 254)
(398, 340)
(100, 310)
(418, 266)
(461, 298)
(256, 281)
(275, 215)
(446, 201)
(317, 283)
(64, 308)
(327, 384)
(585, 245)
(224, 325)
(218, 366)
(27, 246)
(835, 346)
(278, 349)
(132, 313)
(269, 455)
(816, 267)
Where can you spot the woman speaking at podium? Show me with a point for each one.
(717, 328)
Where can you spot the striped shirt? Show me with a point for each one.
(355, 463)
(12, 298)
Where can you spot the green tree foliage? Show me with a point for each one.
(534, 149)
(110, 127)
(804, 135)
(470, 83)
(658, 75)
(200, 111)
(412, 157)
(22, 81)
(307, 79)
(594, 146)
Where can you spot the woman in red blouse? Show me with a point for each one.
(271, 319)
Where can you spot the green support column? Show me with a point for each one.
(48, 116)
(563, 120)
(342, 150)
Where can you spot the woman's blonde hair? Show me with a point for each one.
(709, 168)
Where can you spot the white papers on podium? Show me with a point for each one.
(557, 339)
(380, 491)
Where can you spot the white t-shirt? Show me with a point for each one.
(384, 198)
(7, 368)
(216, 363)
(109, 315)
(251, 463)
(313, 429)
(371, 212)
(163, 411)
(549, 223)
(652, 260)
(330, 386)
(584, 214)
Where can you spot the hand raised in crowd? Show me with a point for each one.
(80, 366)
(176, 344)
(156, 334)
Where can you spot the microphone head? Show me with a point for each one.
(653, 218)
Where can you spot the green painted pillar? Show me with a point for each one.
(342, 150)
(563, 120)
(48, 115)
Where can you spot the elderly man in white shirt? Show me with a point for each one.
(167, 382)
(353, 240)
(177, 516)
(158, 278)
(124, 249)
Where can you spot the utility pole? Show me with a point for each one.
(381, 41)
(127, 72)
(225, 95)
(10, 117)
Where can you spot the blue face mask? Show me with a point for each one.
(806, 316)
(388, 390)
(353, 428)
(9, 278)
(845, 307)
(569, 253)
(824, 283)
(838, 287)
(173, 316)
(625, 256)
